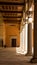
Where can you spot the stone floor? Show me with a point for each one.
(8, 56)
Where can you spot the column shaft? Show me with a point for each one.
(4, 34)
(34, 59)
(30, 39)
(29, 45)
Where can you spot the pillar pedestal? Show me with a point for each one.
(33, 60)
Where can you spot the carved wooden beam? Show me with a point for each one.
(10, 11)
(12, 21)
(11, 3)
(11, 8)
(11, 0)
(12, 16)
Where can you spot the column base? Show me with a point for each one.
(33, 60)
(28, 54)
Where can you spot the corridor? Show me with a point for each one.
(8, 56)
(18, 28)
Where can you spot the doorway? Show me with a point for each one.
(1, 42)
(13, 43)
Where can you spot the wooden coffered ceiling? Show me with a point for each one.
(12, 10)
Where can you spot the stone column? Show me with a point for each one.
(25, 37)
(29, 48)
(21, 43)
(34, 59)
(4, 34)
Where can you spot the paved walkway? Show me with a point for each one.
(8, 56)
